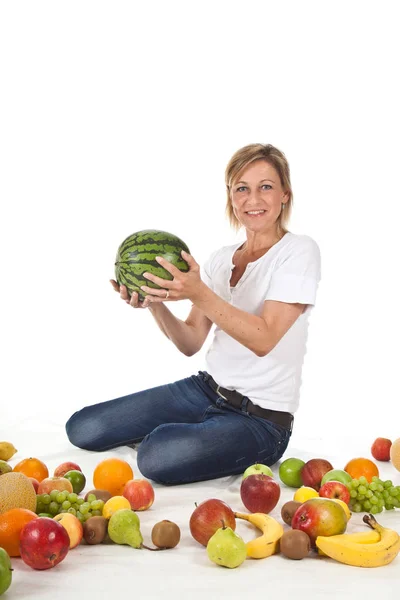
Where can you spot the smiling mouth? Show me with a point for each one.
(255, 213)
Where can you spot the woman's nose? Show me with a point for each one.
(254, 196)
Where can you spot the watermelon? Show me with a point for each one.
(137, 255)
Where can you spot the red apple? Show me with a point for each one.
(73, 527)
(320, 516)
(35, 483)
(65, 467)
(380, 449)
(207, 518)
(140, 493)
(260, 493)
(43, 543)
(335, 489)
(313, 472)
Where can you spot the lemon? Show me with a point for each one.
(113, 504)
(304, 493)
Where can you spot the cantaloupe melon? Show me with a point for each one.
(16, 491)
(395, 454)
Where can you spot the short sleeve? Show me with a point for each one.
(297, 275)
(206, 271)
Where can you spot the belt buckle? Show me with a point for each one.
(219, 393)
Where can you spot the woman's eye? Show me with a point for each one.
(241, 188)
(266, 186)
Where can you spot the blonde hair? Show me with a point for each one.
(242, 159)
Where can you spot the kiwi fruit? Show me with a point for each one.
(288, 510)
(165, 534)
(100, 495)
(95, 530)
(295, 544)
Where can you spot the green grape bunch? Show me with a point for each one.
(373, 497)
(65, 502)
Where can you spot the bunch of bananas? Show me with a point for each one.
(268, 543)
(365, 549)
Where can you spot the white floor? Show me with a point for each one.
(121, 572)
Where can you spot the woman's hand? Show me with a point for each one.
(133, 300)
(183, 285)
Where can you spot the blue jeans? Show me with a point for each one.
(187, 432)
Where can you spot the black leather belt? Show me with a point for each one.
(235, 399)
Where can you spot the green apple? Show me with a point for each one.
(336, 475)
(257, 469)
(290, 472)
(5, 571)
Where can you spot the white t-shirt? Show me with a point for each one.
(289, 272)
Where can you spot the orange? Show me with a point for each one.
(112, 474)
(358, 467)
(32, 467)
(11, 524)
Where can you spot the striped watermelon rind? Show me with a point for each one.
(137, 255)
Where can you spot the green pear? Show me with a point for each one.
(5, 571)
(226, 548)
(4, 467)
(124, 528)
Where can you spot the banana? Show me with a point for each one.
(344, 549)
(360, 537)
(268, 543)
(7, 450)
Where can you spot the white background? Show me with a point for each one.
(121, 116)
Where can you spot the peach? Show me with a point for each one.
(35, 483)
(54, 483)
(65, 467)
(140, 493)
(380, 449)
(73, 527)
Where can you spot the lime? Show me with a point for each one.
(290, 472)
(77, 479)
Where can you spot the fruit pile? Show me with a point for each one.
(42, 518)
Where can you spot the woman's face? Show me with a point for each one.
(257, 196)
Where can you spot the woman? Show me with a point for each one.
(258, 294)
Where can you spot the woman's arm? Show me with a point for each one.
(257, 333)
(188, 336)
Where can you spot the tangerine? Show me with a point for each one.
(358, 467)
(11, 524)
(112, 474)
(32, 467)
